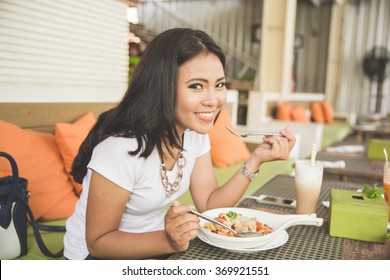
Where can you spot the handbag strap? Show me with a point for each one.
(36, 227)
(5, 210)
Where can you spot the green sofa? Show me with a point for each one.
(335, 132)
(268, 171)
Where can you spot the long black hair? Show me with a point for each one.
(147, 110)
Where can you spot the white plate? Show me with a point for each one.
(278, 222)
(280, 240)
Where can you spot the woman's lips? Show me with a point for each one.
(206, 116)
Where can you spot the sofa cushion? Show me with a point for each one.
(328, 111)
(298, 114)
(317, 112)
(284, 111)
(226, 149)
(69, 137)
(39, 161)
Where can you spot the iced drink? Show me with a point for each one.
(308, 181)
(386, 183)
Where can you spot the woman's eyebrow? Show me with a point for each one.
(203, 80)
(197, 80)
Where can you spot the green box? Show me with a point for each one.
(375, 148)
(353, 215)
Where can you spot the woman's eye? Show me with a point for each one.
(221, 85)
(196, 86)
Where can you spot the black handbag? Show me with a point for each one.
(14, 209)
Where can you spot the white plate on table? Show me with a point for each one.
(278, 241)
(278, 222)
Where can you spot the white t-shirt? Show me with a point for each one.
(147, 205)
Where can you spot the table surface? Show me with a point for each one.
(305, 242)
(362, 168)
(368, 130)
(358, 168)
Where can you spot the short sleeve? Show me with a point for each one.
(204, 146)
(111, 159)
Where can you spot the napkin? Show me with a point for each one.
(346, 149)
(334, 164)
(326, 203)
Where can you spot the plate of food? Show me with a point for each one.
(268, 225)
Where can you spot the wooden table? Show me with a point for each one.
(305, 242)
(365, 132)
(357, 169)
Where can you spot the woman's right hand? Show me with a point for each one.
(180, 226)
(275, 147)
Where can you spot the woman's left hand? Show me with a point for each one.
(275, 147)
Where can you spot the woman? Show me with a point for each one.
(142, 155)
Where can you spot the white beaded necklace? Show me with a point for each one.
(171, 188)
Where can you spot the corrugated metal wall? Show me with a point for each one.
(367, 24)
(66, 45)
(312, 25)
(229, 22)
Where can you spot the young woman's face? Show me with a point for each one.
(201, 93)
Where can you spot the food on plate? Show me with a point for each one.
(238, 222)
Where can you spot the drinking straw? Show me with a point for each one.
(387, 160)
(313, 154)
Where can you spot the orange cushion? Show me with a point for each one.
(39, 161)
(69, 138)
(226, 149)
(328, 111)
(298, 114)
(316, 112)
(284, 111)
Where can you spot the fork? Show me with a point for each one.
(253, 133)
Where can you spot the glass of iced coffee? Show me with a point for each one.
(308, 181)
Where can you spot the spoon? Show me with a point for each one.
(235, 233)
(253, 133)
